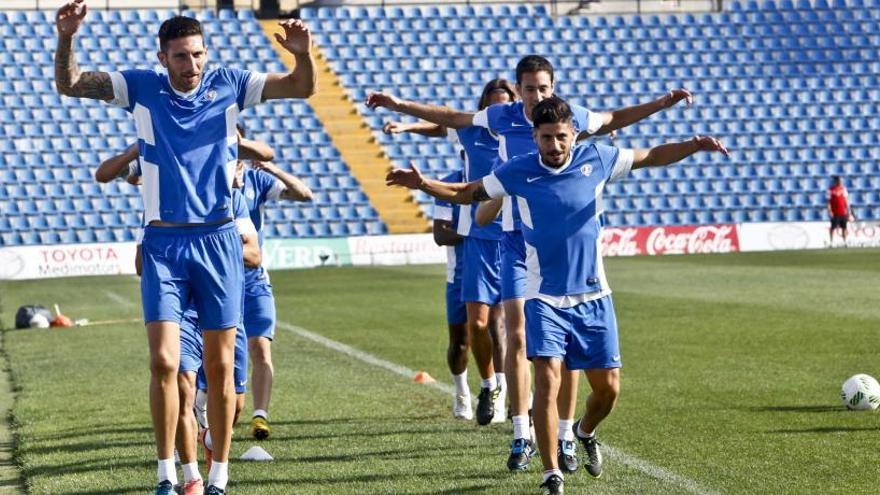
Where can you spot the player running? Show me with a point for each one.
(262, 182)
(185, 122)
(481, 278)
(534, 82)
(445, 218)
(569, 313)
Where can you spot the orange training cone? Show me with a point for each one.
(423, 377)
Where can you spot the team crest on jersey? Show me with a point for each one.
(250, 193)
(587, 170)
(210, 95)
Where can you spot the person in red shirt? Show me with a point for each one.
(838, 208)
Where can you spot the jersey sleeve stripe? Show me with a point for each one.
(623, 165)
(120, 90)
(493, 186)
(443, 213)
(254, 91)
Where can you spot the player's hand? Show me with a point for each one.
(676, 95)
(70, 16)
(376, 100)
(297, 38)
(267, 166)
(708, 143)
(394, 128)
(410, 178)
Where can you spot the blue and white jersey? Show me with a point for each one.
(561, 211)
(240, 215)
(188, 141)
(258, 187)
(480, 154)
(450, 212)
(514, 130)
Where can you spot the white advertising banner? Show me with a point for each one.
(406, 249)
(66, 260)
(804, 235)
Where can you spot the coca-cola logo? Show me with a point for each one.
(684, 240)
(620, 242)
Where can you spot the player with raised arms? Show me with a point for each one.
(185, 119)
(535, 81)
(481, 251)
(263, 181)
(569, 313)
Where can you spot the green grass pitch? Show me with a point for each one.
(732, 370)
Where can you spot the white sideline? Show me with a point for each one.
(642, 465)
(118, 299)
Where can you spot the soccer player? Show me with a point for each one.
(534, 82)
(191, 376)
(481, 280)
(838, 209)
(445, 219)
(262, 182)
(185, 119)
(569, 313)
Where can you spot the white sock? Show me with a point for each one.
(167, 471)
(260, 412)
(219, 474)
(191, 472)
(565, 432)
(489, 383)
(581, 433)
(499, 377)
(461, 384)
(208, 443)
(521, 427)
(551, 472)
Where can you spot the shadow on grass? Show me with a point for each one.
(811, 409)
(828, 429)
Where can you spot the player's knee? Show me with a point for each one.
(163, 365)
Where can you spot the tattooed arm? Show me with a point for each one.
(69, 81)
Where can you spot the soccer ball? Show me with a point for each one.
(39, 321)
(860, 392)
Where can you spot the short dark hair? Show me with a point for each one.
(178, 27)
(533, 63)
(836, 179)
(493, 86)
(553, 110)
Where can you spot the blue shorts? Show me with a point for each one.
(241, 364)
(584, 336)
(259, 314)
(480, 272)
(202, 262)
(456, 311)
(191, 343)
(513, 266)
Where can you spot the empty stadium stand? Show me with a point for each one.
(50, 145)
(793, 88)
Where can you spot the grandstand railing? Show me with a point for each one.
(556, 7)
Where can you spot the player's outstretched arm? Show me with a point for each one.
(627, 116)
(294, 189)
(462, 193)
(487, 212)
(69, 81)
(669, 153)
(444, 234)
(254, 150)
(437, 114)
(116, 166)
(428, 129)
(301, 82)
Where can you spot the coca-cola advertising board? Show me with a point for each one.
(805, 235)
(679, 239)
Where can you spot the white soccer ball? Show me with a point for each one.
(860, 392)
(39, 321)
